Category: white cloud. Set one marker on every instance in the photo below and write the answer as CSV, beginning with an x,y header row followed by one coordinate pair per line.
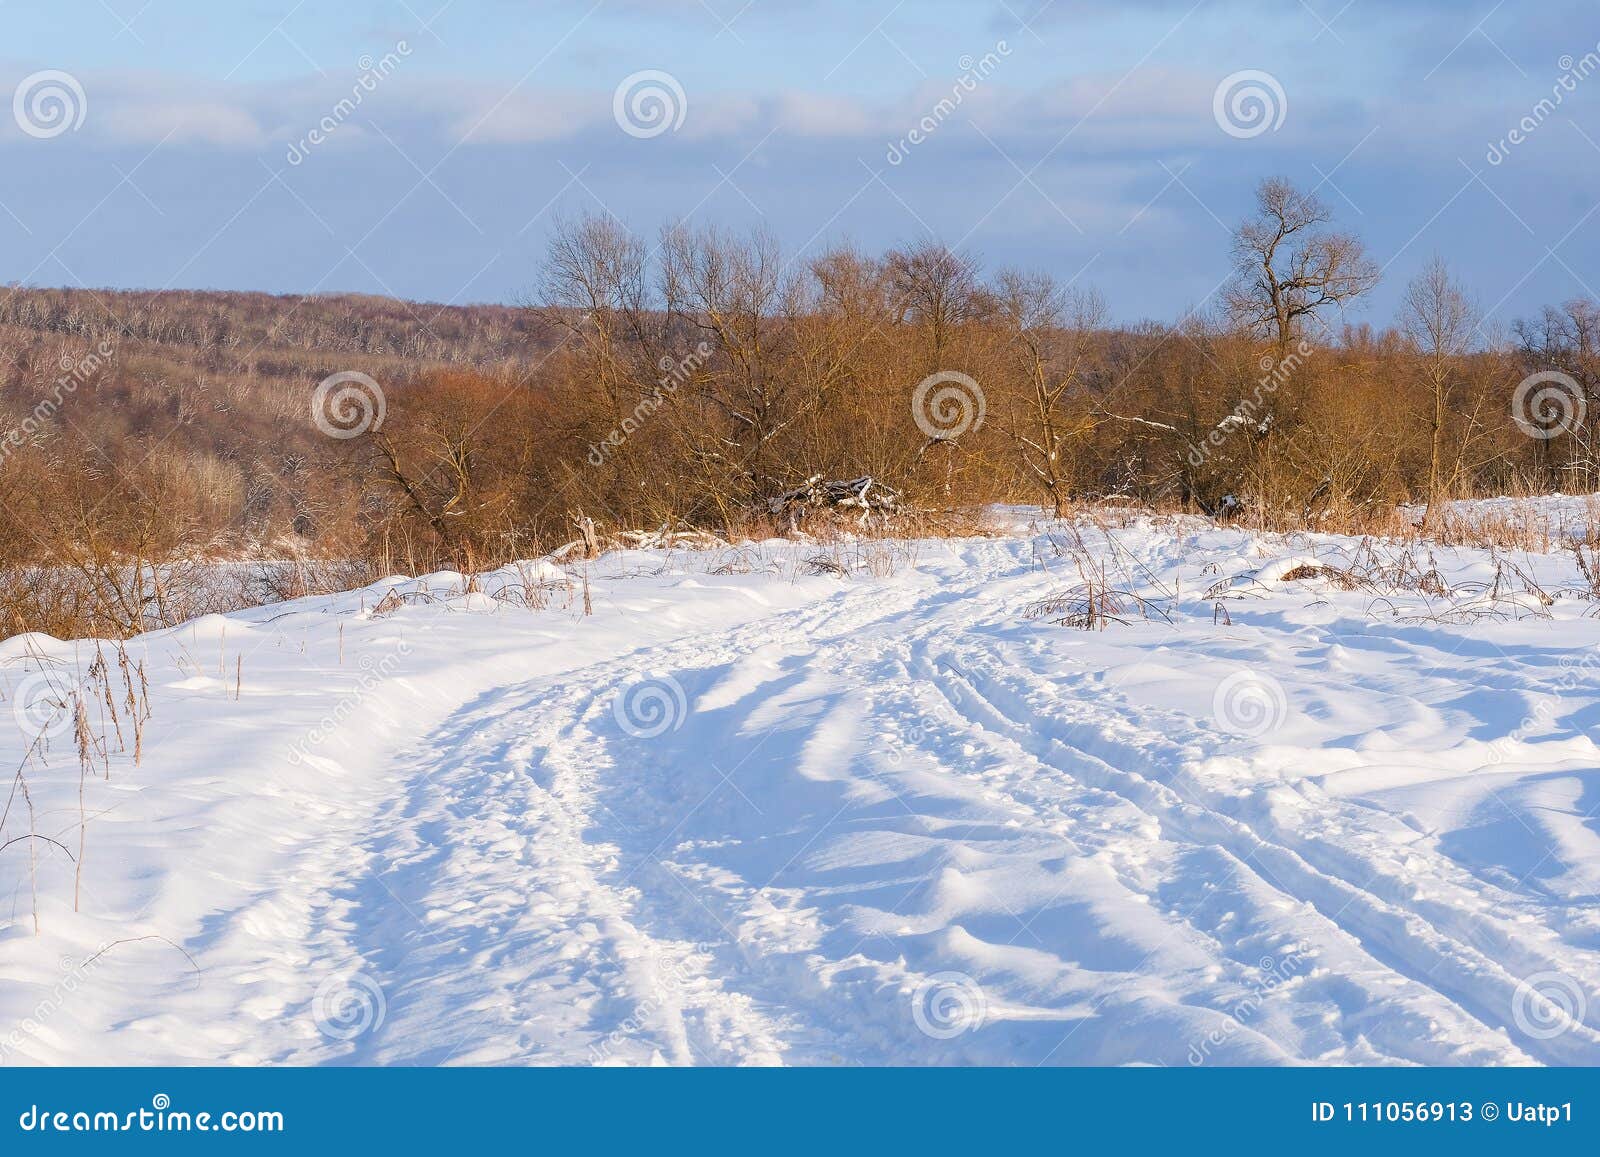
x,y
150,119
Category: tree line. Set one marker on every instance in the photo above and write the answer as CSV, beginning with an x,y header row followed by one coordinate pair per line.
x,y
692,378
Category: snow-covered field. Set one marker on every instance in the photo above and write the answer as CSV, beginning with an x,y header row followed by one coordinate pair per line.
x,y
752,810
1560,517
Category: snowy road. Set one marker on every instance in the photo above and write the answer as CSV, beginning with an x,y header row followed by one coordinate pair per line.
x,y
787,817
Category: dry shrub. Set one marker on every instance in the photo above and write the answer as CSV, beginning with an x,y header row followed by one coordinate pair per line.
x,y
677,385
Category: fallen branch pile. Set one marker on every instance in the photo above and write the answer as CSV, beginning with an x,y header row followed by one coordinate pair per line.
x,y
864,494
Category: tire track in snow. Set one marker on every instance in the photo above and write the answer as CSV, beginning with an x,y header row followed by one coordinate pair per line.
x,y
488,889
796,943
1401,938
844,995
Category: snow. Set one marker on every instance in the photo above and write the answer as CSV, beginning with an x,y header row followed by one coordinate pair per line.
x,y
1562,516
750,811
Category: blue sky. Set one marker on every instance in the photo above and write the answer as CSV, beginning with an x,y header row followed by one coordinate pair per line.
x,y
1086,140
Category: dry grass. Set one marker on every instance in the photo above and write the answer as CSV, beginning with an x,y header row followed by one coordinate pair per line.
x,y
876,558
1109,583
109,597
1396,575
103,712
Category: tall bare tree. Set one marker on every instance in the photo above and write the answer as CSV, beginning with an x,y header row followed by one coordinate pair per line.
x,y
937,288
1289,268
1439,317
741,299
1052,335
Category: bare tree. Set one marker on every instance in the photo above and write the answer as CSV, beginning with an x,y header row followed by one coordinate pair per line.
x,y
1439,317
462,461
1568,339
741,301
595,286
1052,337
936,288
1289,268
